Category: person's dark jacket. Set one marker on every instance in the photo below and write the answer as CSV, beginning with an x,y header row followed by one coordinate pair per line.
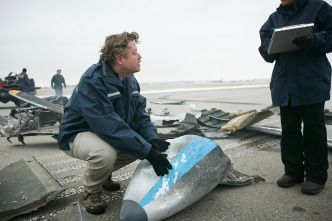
x,y
57,81
101,104
23,82
304,76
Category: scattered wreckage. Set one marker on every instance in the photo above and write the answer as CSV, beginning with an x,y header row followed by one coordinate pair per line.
x,y
25,185
36,117
192,132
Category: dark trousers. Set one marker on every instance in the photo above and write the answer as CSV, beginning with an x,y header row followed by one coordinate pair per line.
x,y
304,153
58,91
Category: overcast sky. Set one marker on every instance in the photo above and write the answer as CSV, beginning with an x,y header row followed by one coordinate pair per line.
x,y
180,39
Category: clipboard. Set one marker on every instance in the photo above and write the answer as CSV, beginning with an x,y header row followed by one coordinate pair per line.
x,y
282,38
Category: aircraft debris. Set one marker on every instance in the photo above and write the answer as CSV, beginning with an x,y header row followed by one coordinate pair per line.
x,y
168,102
25,185
187,126
35,119
215,118
238,122
199,165
236,178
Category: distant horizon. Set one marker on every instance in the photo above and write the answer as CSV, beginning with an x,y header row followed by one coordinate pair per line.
x,y
258,80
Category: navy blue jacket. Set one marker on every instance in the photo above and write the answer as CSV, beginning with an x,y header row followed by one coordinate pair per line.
x,y
101,104
304,76
23,82
57,81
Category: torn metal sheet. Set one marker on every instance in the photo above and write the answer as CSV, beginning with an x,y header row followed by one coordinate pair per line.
x,y
276,131
43,103
188,126
170,123
74,212
168,102
236,178
33,120
215,118
165,121
25,186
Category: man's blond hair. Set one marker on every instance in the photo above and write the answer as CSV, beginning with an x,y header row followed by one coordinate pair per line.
x,y
117,45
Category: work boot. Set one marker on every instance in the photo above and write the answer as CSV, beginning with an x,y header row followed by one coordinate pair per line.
x,y
312,188
93,202
110,185
287,181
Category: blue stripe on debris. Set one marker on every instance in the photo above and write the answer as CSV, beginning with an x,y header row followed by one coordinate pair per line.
x,y
188,157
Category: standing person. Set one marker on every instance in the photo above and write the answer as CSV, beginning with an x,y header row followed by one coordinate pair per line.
x,y
105,122
23,81
56,83
300,85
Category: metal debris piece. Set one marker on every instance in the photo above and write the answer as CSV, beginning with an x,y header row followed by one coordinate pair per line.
x,y
168,102
166,121
258,179
215,118
238,122
47,103
276,131
213,133
166,112
236,178
260,116
199,165
188,126
25,186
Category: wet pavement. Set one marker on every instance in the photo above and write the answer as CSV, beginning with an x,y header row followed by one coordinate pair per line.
x,y
251,153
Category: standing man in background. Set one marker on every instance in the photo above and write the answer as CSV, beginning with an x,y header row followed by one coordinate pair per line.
x,y
300,85
56,83
23,81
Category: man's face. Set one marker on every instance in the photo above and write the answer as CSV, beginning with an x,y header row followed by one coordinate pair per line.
x,y
58,72
286,2
131,63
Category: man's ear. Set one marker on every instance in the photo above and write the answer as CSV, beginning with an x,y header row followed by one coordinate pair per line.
x,y
118,59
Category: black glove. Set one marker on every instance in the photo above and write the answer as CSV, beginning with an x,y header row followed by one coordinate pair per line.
x,y
303,42
159,162
159,144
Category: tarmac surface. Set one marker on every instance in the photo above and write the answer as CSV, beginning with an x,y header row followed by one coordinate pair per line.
x,y
251,153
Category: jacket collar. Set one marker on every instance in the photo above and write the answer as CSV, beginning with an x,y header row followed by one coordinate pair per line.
x,y
293,8
110,75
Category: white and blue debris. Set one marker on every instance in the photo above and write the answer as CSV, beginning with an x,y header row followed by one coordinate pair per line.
x,y
199,165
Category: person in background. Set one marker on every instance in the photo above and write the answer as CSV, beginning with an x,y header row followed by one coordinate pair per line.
x,y
56,83
300,85
105,122
23,81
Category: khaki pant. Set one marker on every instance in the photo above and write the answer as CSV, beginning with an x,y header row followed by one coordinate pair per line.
x,y
102,159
